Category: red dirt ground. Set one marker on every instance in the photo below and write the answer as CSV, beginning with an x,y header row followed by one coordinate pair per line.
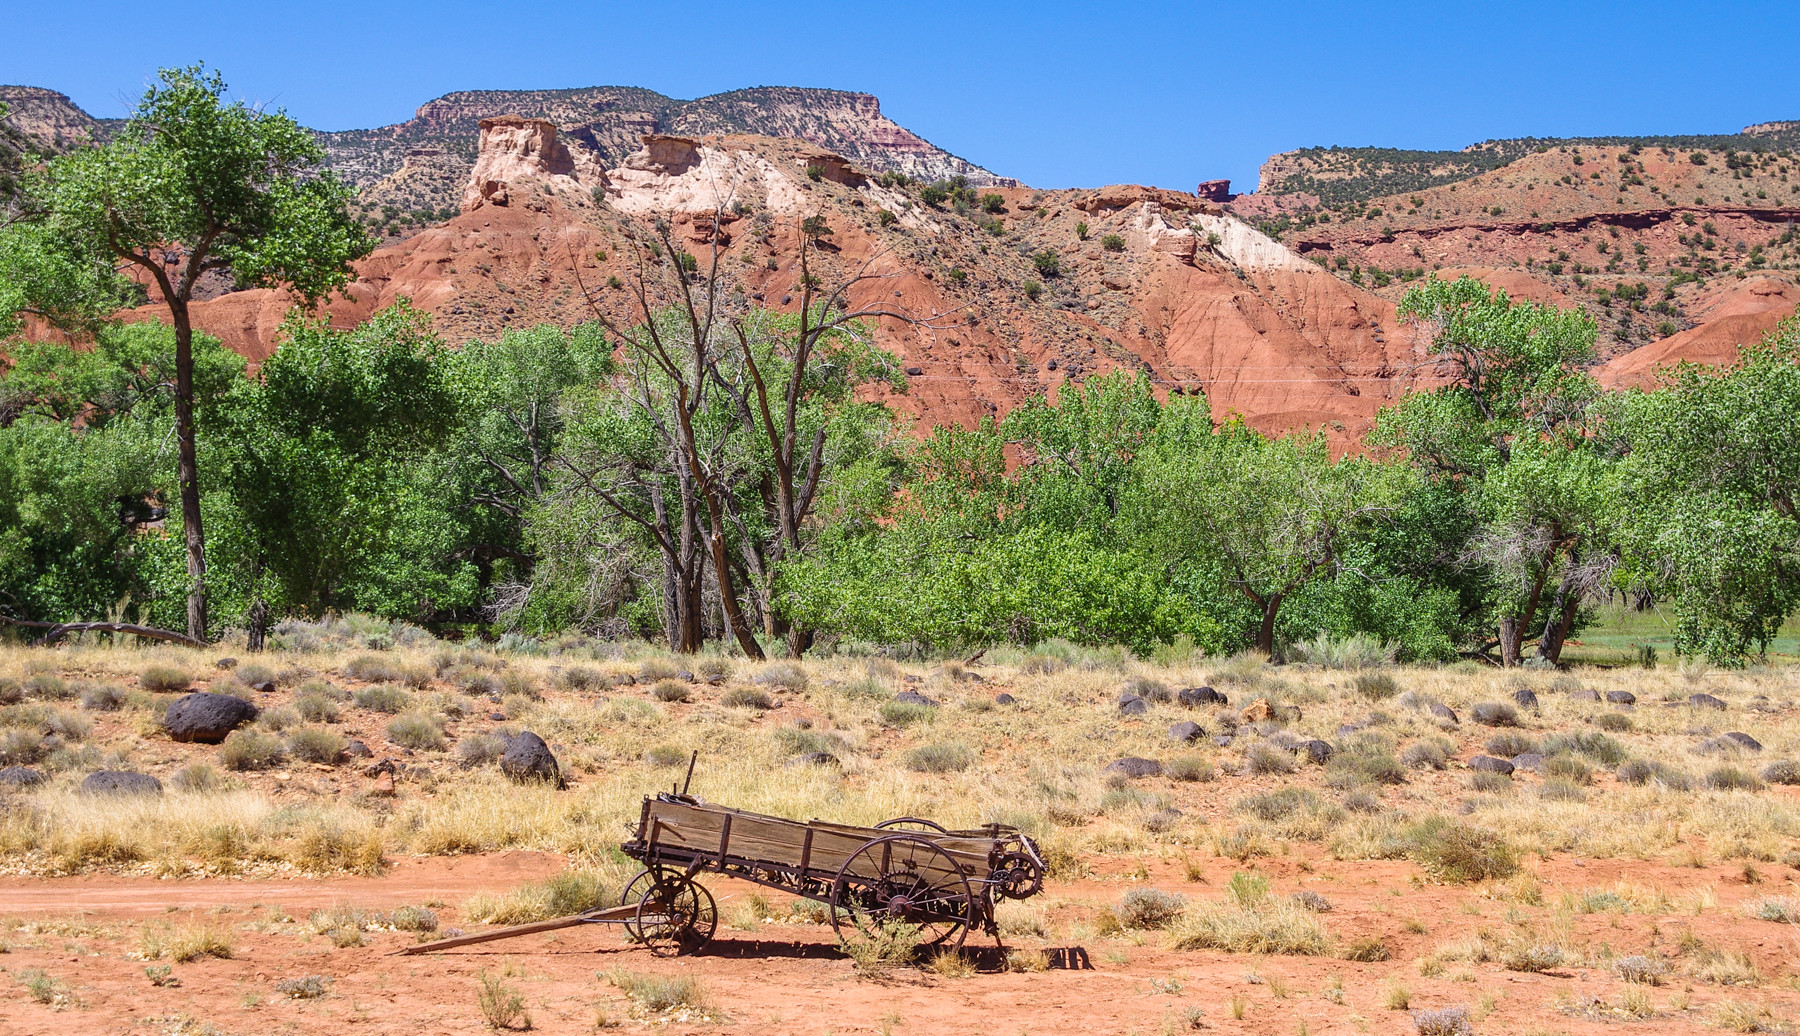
x,y
789,978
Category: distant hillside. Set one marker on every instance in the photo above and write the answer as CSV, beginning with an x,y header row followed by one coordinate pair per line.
x,y
36,122
1349,175
412,173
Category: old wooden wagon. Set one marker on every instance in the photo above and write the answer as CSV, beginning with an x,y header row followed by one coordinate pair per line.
x,y
907,870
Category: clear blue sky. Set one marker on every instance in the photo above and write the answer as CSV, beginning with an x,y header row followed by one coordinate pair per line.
x,y
1056,94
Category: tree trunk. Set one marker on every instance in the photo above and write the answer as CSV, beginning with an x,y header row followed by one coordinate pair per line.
x,y
259,624
728,594
1265,631
188,469
1559,617
798,641
1509,641
693,612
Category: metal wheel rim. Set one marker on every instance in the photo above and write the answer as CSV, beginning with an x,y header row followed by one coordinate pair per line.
x,y
944,929
911,824
674,917
642,880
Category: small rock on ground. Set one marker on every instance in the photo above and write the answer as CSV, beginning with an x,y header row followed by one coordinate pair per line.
x,y
205,717
121,782
815,759
527,758
1194,697
1187,732
20,777
1132,766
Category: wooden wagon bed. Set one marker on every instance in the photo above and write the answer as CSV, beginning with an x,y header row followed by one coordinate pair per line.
x,y
903,871
679,835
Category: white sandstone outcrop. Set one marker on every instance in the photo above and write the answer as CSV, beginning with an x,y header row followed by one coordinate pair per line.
x,y
678,174
1248,248
1151,231
517,150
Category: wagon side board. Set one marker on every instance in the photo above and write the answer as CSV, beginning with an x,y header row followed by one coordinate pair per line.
x,y
714,836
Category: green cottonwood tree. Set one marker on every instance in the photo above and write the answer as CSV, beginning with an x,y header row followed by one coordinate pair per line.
x,y
1713,495
314,460
1266,516
1517,390
191,186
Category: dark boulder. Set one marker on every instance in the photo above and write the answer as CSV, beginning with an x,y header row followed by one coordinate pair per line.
x,y
527,758
1133,705
1585,694
206,718
1223,740
1742,740
1442,713
685,676
1489,764
1132,766
1525,697
1621,698
20,777
1195,697
912,697
121,782
1187,732
356,749
1706,701
1004,698
1317,752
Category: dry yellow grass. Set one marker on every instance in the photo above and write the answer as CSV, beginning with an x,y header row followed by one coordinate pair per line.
x,y
1038,764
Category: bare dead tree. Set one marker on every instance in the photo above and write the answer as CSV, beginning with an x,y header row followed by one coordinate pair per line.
x,y
799,466
683,335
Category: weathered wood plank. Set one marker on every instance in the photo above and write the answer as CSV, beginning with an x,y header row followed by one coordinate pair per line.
x,y
613,914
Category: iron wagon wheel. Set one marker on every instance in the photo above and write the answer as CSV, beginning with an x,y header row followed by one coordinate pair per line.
x,y
905,878
1019,876
675,915
634,889
911,824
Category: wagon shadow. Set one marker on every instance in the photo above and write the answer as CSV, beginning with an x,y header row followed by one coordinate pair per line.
x,y
1056,958
738,949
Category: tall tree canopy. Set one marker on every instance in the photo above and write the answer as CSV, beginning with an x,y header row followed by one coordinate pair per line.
x,y
192,186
